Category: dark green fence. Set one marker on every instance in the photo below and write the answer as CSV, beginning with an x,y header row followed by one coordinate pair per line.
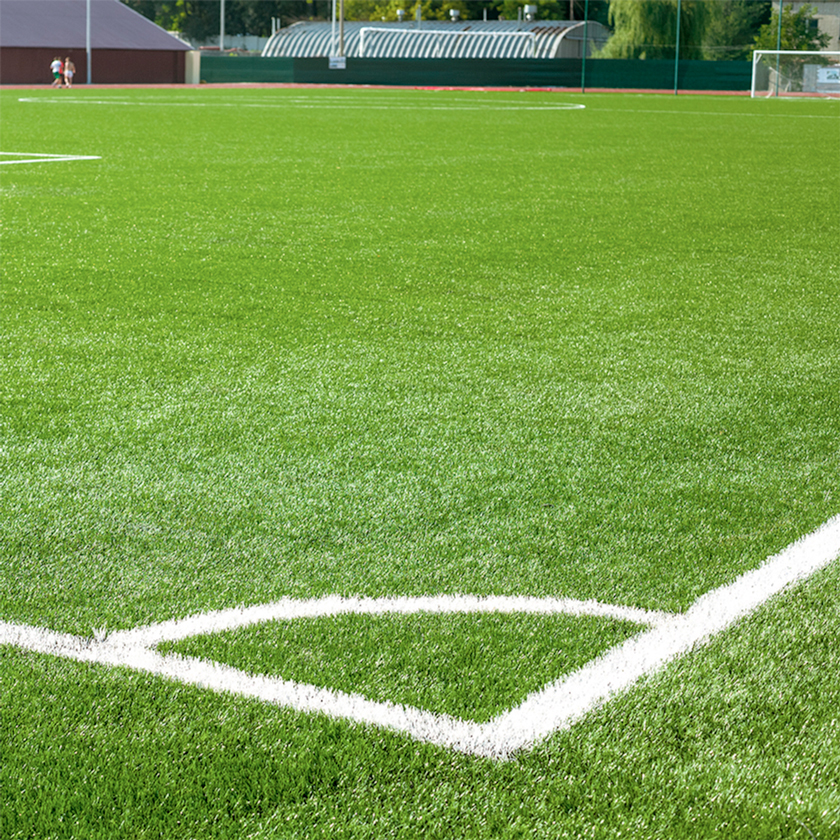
x,y
653,74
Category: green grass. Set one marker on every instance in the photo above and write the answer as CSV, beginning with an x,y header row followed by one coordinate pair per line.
x,y
288,344
469,666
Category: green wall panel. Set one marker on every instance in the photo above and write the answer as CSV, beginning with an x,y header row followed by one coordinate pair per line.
x,y
481,72
216,69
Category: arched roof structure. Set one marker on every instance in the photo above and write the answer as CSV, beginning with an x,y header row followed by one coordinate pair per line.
x,y
439,39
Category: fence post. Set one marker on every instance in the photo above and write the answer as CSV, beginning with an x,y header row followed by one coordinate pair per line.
x,y
677,54
585,45
778,46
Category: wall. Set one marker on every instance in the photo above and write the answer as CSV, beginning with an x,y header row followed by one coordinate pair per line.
x,y
31,65
486,72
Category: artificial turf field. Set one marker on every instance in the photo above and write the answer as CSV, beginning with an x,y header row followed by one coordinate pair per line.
x,y
279,343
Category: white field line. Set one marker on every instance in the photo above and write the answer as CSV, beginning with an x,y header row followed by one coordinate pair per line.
x,y
381,104
36,157
315,104
555,707
331,605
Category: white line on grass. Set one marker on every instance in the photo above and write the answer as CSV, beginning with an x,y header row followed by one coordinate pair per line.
x,y
369,104
37,157
681,112
315,104
331,605
555,707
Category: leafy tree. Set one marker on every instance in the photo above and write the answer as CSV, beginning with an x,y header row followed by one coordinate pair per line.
x,y
731,28
648,29
799,31
198,20
387,9
474,9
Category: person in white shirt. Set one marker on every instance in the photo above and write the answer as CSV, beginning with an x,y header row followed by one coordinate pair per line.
x,y
56,68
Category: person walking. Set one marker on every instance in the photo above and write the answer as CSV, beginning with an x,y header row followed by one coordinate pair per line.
x,y
69,70
57,69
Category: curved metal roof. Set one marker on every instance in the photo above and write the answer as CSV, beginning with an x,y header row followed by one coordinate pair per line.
x,y
438,39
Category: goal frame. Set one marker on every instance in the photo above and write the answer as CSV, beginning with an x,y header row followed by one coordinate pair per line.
x,y
759,54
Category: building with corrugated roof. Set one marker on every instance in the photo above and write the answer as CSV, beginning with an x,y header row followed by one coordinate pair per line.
x,y
126,47
440,39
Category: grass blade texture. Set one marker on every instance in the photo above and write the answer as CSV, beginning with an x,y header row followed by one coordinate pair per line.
x,y
289,343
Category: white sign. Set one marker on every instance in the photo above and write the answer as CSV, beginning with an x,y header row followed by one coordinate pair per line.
x,y
828,75
338,62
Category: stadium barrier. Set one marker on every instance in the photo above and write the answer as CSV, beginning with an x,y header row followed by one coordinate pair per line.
x,y
652,74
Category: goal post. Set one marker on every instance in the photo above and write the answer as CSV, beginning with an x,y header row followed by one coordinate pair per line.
x,y
795,73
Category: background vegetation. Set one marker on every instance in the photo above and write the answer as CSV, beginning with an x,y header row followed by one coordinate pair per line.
x,y
199,19
709,29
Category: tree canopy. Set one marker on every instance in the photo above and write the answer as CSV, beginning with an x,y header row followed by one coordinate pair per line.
x,y
648,28
710,29
799,31
731,28
198,20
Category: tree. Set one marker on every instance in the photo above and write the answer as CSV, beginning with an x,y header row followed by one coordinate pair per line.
x,y
374,10
648,29
799,31
198,20
732,27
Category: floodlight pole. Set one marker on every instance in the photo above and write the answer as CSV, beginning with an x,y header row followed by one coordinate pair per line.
x,y
778,46
341,27
585,44
222,28
87,39
677,54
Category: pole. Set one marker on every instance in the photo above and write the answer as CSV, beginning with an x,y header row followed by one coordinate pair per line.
x,y
778,46
222,28
341,27
87,39
585,45
677,58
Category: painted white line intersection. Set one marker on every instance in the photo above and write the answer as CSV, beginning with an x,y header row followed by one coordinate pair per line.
x,y
555,707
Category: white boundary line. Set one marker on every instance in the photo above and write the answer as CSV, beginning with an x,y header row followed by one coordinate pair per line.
x,y
288,608
37,157
333,104
553,708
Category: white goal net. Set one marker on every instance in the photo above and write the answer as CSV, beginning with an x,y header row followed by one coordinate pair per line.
x,y
795,73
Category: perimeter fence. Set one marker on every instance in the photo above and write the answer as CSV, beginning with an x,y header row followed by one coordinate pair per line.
x,y
652,74
614,44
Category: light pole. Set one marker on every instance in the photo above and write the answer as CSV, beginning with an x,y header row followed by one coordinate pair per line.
x,y
585,44
677,58
87,38
778,46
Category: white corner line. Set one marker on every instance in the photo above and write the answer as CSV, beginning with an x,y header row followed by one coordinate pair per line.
x,y
567,700
549,710
287,609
